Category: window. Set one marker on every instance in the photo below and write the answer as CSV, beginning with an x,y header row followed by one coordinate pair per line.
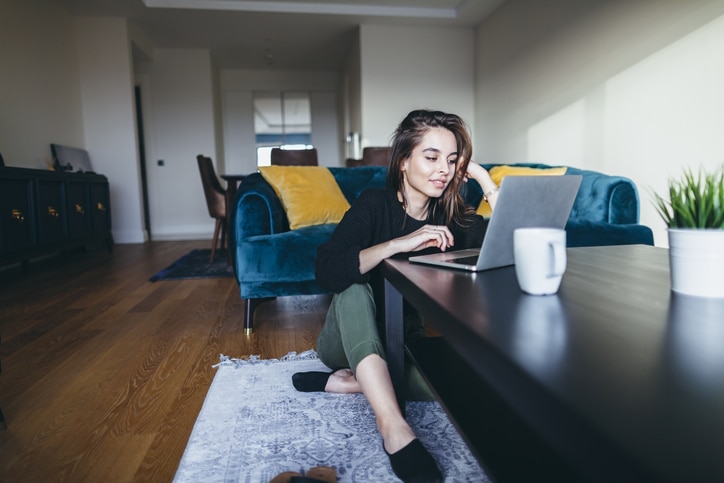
x,y
281,119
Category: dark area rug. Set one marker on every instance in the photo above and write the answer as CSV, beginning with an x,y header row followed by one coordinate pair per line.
x,y
196,264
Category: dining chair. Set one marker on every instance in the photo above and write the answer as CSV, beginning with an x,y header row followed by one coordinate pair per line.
x,y
294,157
215,201
376,156
372,156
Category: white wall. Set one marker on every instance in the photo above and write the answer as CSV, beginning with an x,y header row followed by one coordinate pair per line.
x,y
351,102
218,118
39,83
628,88
181,126
326,134
108,118
239,139
405,68
237,92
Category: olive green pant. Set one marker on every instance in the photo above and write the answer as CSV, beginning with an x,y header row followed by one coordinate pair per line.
x,y
350,334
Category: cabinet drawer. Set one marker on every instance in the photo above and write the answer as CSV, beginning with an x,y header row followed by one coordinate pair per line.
x,y
100,207
16,215
79,213
51,211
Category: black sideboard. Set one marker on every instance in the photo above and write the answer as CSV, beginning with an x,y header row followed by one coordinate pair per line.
x,y
42,212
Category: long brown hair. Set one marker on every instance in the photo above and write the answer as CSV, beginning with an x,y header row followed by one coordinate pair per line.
x,y
450,207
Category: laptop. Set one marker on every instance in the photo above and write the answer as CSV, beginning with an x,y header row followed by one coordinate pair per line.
x,y
523,201
71,159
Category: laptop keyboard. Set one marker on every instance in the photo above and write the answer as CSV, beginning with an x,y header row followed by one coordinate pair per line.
x,y
471,260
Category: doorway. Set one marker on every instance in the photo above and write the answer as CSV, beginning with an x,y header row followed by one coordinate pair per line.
x,y
142,160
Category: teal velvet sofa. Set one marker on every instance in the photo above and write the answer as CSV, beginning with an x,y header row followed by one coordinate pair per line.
x,y
270,260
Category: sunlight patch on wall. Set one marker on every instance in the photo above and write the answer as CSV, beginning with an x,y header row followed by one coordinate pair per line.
x,y
666,113
559,139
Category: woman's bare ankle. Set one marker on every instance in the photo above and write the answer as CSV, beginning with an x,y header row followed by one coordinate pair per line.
x,y
342,381
397,437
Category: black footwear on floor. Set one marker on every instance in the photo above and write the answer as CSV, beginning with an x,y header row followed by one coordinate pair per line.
x,y
310,381
413,464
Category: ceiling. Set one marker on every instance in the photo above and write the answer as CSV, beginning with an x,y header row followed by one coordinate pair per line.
x,y
268,34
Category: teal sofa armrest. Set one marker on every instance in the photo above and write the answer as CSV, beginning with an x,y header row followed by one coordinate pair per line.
x,y
257,209
605,198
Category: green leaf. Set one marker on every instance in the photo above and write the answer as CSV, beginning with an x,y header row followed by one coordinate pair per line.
x,y
694,200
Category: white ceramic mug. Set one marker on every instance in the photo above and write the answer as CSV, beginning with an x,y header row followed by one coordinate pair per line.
x,y
540,259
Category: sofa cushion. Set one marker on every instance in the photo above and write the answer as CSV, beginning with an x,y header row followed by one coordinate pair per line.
x,y
497,173
310,194
280,264
610,199
353,181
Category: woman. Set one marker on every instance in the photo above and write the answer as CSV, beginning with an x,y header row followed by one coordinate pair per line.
x,y
420,209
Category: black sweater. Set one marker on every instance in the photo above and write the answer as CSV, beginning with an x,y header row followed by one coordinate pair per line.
x,y
375,217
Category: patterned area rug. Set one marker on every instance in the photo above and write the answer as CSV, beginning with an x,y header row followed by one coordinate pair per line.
x,y
197,264
255,425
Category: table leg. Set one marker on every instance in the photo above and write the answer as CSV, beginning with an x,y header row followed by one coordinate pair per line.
x,y
2,418
395,342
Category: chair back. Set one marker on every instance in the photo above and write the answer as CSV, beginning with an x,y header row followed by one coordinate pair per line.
x,y
372,156
376,156
214,192
294,157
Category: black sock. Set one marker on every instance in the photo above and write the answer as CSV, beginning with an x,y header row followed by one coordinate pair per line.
x,y
414,464
310,381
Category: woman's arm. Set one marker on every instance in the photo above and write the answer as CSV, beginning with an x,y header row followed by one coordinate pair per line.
x,y
337,261
481,175
428,236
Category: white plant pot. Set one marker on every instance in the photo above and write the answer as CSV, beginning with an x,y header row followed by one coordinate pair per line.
x,y
696,261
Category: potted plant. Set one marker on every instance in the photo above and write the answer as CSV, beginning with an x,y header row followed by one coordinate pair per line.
x,y
694,214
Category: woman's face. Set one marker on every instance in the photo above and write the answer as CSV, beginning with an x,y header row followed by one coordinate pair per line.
x,y
431,166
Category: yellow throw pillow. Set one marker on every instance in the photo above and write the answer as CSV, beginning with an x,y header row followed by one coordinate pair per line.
x,y
310,194
497,173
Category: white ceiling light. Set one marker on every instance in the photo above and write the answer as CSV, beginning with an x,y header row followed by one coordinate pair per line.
x,y
306,7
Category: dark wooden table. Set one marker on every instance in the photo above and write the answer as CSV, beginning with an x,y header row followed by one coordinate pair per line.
x,y
232,183
2,418
615,378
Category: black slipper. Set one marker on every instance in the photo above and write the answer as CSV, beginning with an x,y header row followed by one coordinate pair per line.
x,y
310,381
414,464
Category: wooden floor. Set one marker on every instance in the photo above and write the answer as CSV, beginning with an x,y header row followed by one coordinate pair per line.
x,y
104,373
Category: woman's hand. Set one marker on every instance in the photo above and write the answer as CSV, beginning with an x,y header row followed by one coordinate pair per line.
x,y
427,236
